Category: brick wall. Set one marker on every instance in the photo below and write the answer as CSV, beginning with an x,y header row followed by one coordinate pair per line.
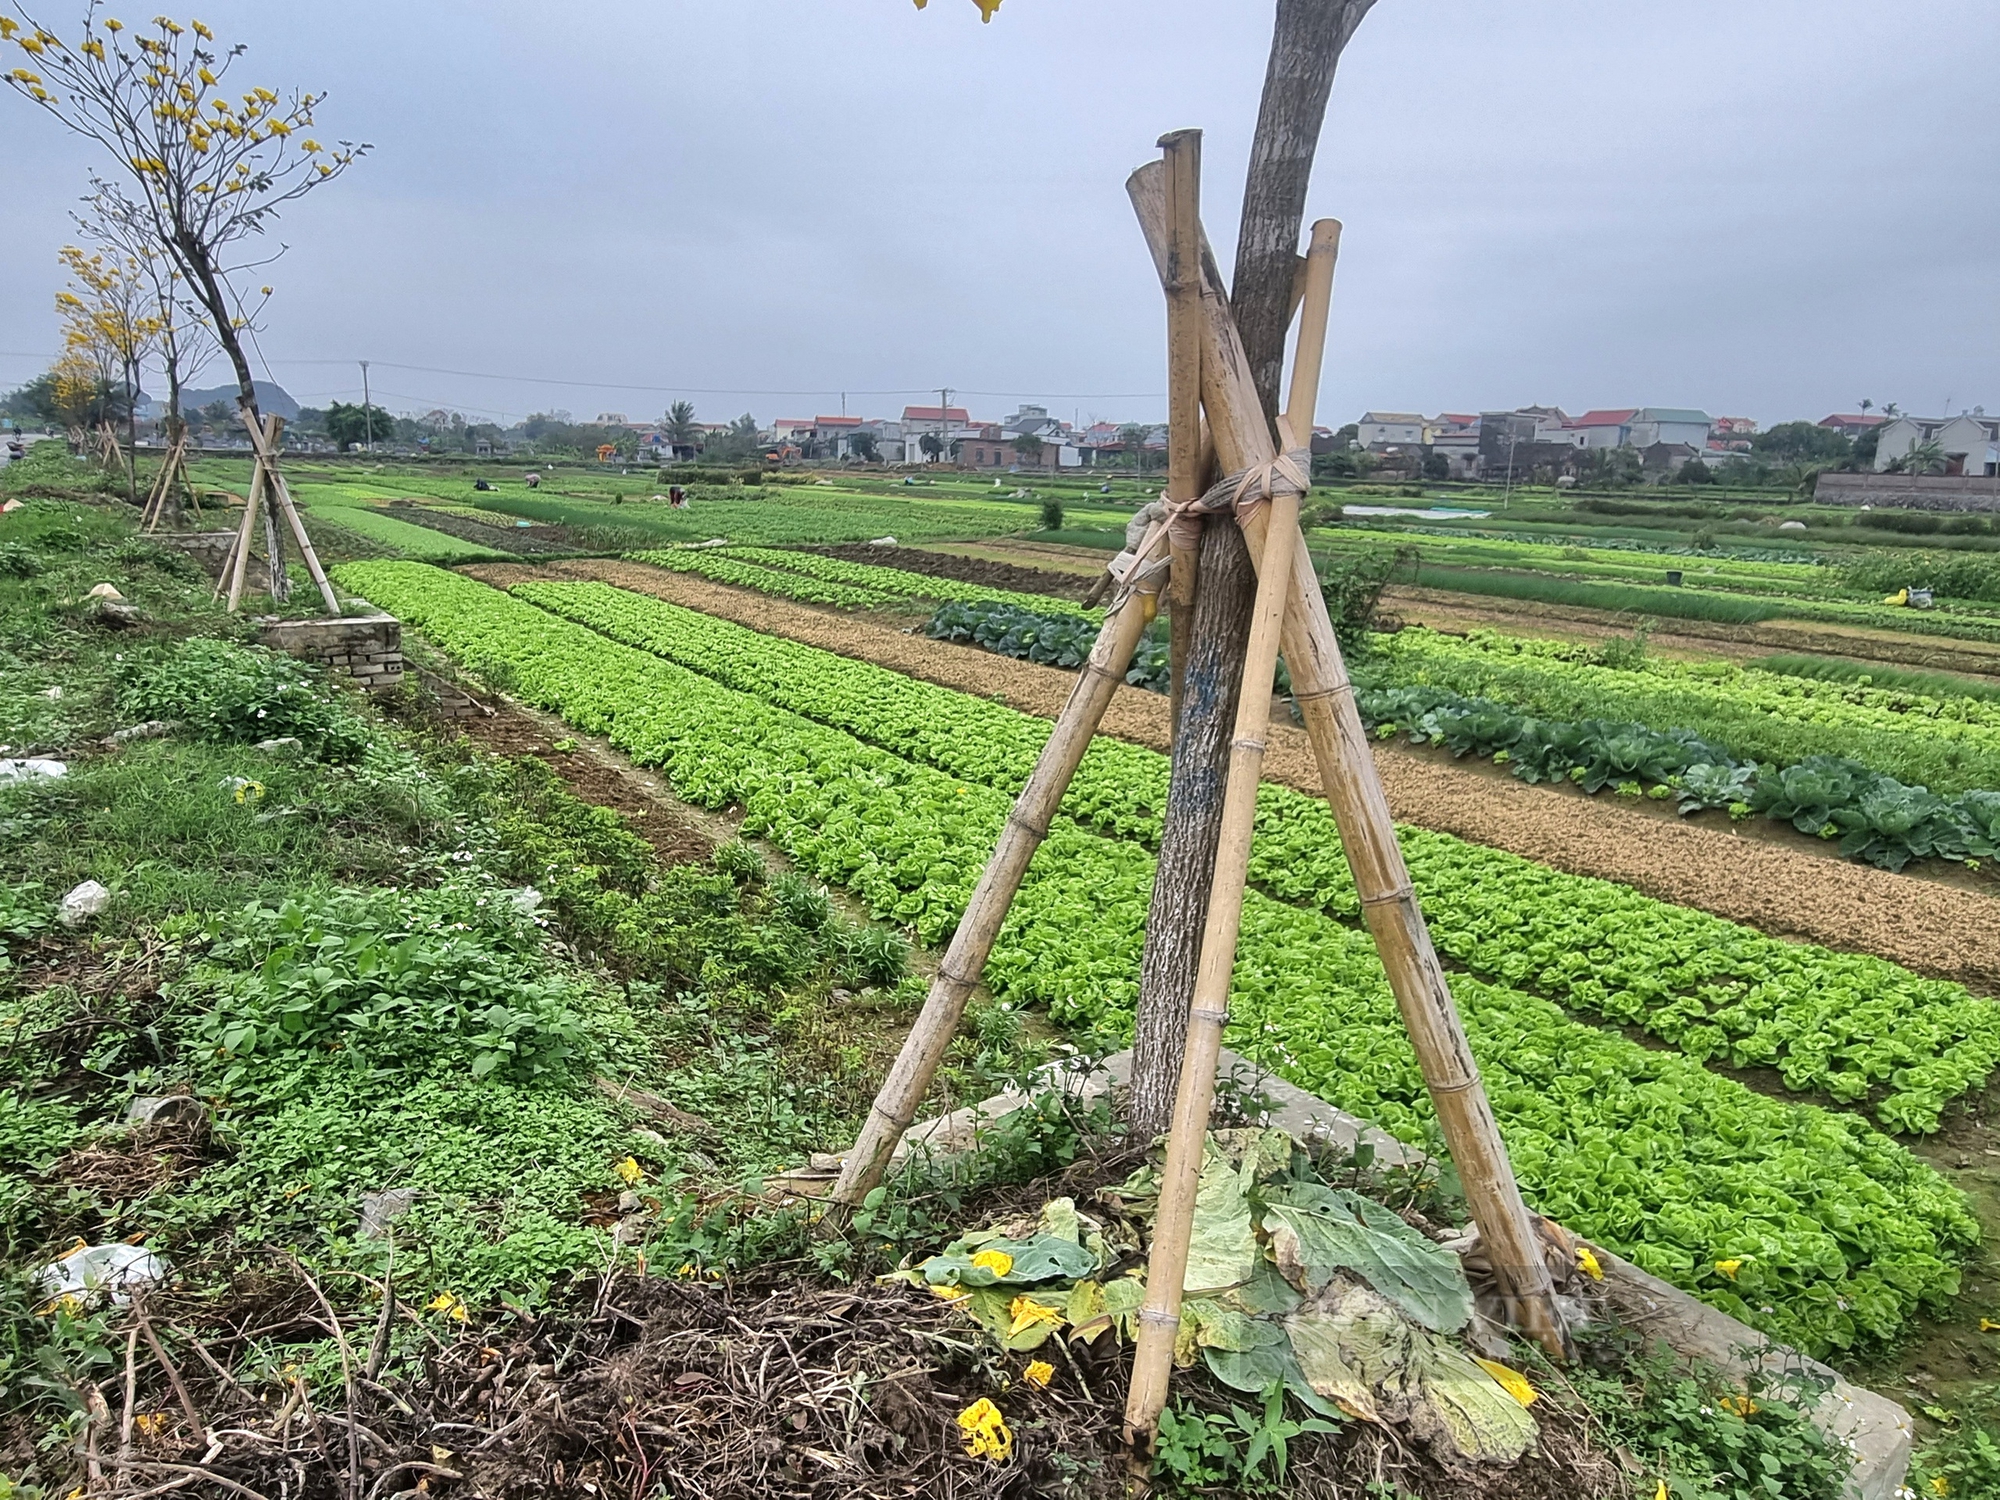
x,y
367,648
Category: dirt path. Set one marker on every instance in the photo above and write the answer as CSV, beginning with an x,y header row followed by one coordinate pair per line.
x,y
1791,891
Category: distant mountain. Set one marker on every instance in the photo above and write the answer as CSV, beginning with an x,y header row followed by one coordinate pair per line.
x,y
272,398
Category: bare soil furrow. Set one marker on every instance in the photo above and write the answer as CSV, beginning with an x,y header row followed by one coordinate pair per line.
x,y
1757,877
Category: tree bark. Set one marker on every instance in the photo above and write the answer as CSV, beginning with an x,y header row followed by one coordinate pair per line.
x,y
1305,45
1225,590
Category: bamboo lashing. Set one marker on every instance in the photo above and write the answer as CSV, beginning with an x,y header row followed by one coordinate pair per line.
x,y
1353,790
916,1065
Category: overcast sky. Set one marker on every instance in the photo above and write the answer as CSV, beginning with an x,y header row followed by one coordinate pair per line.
x,y
1770,208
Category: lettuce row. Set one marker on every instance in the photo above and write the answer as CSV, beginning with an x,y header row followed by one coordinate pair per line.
x,y
1844,1024
1841,1234
720,567
899,581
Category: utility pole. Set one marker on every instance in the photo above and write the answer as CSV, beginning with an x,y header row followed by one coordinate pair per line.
x,y
1507,492
367,413
944,422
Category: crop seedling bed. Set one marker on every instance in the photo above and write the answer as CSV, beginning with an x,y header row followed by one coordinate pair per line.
x,y
1643,1150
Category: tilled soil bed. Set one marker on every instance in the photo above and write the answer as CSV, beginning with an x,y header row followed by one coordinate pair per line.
x,y
1776,887
999,575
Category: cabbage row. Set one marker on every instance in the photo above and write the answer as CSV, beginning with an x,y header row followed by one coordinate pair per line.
x,y
1849,1025
902,581
1840,1234
1946,744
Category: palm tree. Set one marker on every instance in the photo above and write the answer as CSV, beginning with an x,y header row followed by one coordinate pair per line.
x,y
680,426
1866,406
1926,457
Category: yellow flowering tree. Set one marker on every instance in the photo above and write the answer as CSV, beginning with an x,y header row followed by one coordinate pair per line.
x,y
986,7
107,315
182,339
206,164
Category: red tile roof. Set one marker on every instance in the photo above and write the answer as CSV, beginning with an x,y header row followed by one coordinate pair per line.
x,y
1610,417
932,414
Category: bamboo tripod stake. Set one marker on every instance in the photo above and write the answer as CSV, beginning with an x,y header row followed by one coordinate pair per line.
x,y
1361,810
910,1077
1186,468
270,496
1166,1268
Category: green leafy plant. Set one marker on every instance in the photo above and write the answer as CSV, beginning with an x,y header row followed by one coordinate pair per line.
x,y
226,692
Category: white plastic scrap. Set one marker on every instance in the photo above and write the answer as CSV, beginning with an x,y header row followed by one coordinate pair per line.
x,y
81,904
33,766
527,900
91,1272
104,591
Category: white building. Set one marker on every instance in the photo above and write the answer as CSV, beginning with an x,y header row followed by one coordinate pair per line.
x,y
1386,429
1669,424
1970,444
1608,427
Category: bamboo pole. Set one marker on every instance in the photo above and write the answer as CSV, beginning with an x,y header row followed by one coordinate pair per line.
x,y
1166,1266
1182,149
909,1078
265,444
1367,831
239,557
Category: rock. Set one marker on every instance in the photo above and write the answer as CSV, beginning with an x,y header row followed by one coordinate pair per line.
x,y
380,1210
152,729
30,768
842,995
628,1202
104,591
1791,526
119,616
81,904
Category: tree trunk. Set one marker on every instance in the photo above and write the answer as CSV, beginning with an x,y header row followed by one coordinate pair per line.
x,y
1225,589
1305,44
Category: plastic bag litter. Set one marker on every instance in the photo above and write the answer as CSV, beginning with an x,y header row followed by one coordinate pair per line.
x,y
90,1273
31,767
81,904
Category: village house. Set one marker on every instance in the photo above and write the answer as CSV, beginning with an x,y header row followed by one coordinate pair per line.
x,y
1969,443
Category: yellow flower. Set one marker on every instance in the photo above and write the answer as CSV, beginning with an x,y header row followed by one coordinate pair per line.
x,y
1588,1263
1040,1373
450,1306
986,1434
151,1423
986,9
1743,1406
629,1171
999,1262
31,45
205,76
1729,1268
1512,1381
95,48
309,145
8,26
1661,1492
951,1293
1987,1325
199,30
1027,1312
1940,1485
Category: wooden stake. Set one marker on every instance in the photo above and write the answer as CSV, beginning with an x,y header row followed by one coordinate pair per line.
x,y
240,555
278,498
1367,832
1166,1265
909,1079
1182,150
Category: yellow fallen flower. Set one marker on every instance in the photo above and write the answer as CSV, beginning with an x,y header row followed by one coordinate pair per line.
x,y
950,1293
1743,1406
450,1306
1039,1373
999,1262
1987,1325
986,1433
629,1171
1729,1268
1587,1263
1512,1381
1026,1313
